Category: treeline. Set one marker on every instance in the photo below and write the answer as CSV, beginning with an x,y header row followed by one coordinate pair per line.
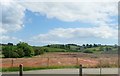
x,y
67,46
91,45
20,50
85,48
23,49
73,46
61,46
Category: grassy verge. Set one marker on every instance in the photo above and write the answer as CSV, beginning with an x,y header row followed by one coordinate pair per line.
x,y
100,75
13,69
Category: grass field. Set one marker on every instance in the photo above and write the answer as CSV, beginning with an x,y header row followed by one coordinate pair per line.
x,y
61,60
12,69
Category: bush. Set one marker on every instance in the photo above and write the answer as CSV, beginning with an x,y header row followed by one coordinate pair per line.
x,y
14,55
21,50
37,51
27,49
88,51
44,50
10,52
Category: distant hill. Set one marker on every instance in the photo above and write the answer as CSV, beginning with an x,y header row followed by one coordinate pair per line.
x,y
85,48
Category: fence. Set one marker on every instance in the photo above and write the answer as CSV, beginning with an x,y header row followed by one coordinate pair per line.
x,y
55,61
21,70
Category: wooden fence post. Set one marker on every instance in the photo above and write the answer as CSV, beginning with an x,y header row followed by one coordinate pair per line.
x,y
48,61
12,63
77,61
21,70
100,67
80,70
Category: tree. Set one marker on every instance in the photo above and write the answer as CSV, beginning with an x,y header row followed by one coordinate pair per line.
x,y
87,45
101,49
14,54
90,46
67,46
94,45
27,49
20,52
22,49
115,46
10,44
10,52
87,51
44,50
48,45
6,51
83,45
39,51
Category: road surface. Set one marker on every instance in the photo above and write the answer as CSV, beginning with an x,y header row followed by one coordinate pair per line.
x,y
70,71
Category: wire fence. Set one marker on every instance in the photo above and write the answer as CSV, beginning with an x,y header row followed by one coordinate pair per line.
x,y
57,61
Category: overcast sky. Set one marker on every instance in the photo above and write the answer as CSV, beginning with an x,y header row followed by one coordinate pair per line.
x,y
40,23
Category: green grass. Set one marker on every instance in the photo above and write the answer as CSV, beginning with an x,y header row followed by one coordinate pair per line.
x,y
100,75
55,49
50,49
12,69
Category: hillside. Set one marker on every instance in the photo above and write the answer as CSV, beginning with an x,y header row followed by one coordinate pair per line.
x,y
25,50
88,48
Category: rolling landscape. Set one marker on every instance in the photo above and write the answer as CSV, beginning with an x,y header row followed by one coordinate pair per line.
x,y
59,56
64,57
76,38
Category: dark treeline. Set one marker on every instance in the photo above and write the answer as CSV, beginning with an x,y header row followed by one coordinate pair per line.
x,y
67,46
86,48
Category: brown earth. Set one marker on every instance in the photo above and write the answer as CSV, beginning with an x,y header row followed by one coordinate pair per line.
x,y
63,59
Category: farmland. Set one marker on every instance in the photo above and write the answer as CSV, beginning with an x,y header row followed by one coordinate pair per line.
x,y
63,59
63,56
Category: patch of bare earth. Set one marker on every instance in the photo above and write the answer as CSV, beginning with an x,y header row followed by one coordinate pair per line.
x,y
63,59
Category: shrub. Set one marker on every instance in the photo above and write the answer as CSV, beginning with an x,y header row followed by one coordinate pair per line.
x,y
20,52
22,49
13,55
27,49
10,52
37,51
88,51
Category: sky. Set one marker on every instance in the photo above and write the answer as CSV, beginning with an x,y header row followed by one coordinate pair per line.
x,y
42,23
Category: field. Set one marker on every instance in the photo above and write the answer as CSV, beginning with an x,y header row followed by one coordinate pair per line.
x,y
56,59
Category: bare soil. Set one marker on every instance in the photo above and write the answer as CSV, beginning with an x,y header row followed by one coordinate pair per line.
x,y
64,59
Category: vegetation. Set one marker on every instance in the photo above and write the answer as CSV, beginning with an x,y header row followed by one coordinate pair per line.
x,y
35,68
23,49
17,51
88,51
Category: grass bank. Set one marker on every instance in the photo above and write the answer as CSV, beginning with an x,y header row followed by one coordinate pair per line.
x,y
13,69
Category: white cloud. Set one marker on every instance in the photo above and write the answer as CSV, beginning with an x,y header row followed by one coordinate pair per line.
x,y
12,15
61,34
69,0
98,13
11,20
6,39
